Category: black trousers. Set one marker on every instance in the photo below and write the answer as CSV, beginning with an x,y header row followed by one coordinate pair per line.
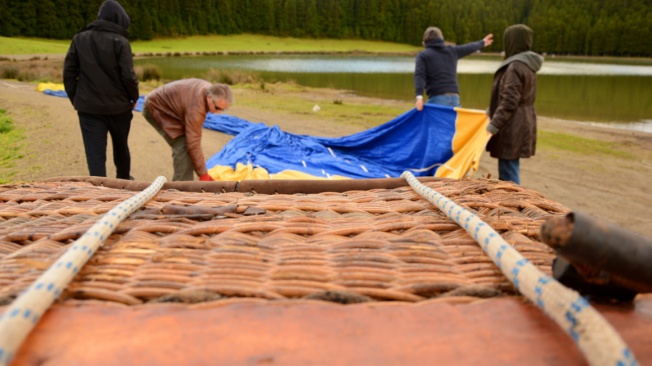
x,y
95,128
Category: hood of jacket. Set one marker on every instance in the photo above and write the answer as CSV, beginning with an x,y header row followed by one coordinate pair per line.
x,y
435,43
532,59
517,41
105,26
112,11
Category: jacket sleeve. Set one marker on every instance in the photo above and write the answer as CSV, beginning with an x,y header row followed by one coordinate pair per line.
x,y
419,75
71,72
510,92
469,48
127,74
194,123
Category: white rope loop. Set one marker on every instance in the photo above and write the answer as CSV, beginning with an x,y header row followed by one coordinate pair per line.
x,y
596,338
21,316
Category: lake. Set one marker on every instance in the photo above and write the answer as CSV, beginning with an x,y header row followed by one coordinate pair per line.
x,y
614,94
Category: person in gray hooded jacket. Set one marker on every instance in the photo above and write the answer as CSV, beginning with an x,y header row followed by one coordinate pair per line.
x,y
513,123
100,81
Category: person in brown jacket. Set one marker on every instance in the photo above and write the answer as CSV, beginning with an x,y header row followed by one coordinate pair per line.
x,y
177,111
513,123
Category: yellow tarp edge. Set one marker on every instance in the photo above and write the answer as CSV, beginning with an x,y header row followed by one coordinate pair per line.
x,y
469,141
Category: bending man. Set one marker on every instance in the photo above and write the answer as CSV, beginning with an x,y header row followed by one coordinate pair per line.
x,y
177,111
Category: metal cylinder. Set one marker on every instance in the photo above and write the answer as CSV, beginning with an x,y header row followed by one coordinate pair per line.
x,y
600,245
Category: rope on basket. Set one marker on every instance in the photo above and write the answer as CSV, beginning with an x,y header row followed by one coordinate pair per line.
x,y
596,338
20,317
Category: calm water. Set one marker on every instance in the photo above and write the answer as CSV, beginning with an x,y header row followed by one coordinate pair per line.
x,y
594,92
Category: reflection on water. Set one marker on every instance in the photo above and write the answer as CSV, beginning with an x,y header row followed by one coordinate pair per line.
x,y
574,68
643,126
595,98
365,64
598,92
378,64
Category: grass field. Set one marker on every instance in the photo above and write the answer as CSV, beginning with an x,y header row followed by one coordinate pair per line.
x,y
232,43
260,43
580,145
10,147
32,46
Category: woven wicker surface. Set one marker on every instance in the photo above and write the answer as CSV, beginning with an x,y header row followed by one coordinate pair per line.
x,y
355,246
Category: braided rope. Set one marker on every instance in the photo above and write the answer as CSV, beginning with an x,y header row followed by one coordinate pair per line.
x,y
596,338
21,316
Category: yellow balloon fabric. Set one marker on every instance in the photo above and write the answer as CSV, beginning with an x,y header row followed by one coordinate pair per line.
x,y
470,139
49,86
248,172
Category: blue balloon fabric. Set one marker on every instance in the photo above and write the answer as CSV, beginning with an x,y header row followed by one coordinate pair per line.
x,y
416,141
56,93
63,94
419,142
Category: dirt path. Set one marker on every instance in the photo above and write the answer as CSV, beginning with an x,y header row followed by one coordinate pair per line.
x,y
604,186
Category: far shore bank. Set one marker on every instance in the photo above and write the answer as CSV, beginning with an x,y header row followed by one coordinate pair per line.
x,y
25,48
495,55
60,56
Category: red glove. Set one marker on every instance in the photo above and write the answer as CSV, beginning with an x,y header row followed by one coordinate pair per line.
x,y
206,178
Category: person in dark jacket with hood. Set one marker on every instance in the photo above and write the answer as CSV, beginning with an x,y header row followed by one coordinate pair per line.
x,y
99,78
513,123
435,69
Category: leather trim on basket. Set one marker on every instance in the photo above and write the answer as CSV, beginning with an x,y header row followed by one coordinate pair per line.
x,y
254,186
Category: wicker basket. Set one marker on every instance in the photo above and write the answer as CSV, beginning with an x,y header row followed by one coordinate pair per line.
x,y
347,247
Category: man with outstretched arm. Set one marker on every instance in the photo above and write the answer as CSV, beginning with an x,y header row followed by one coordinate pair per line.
x,y
435,69
177,111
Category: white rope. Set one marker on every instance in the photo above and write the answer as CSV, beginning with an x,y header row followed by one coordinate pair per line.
x,y
22,315
596,338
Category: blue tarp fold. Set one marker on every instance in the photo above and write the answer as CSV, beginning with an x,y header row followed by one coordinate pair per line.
x,y
415,141
420,142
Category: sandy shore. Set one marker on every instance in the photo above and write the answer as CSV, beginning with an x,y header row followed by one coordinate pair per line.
x,y
604,186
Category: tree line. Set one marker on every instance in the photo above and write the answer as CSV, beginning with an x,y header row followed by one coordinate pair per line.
x,y
577,27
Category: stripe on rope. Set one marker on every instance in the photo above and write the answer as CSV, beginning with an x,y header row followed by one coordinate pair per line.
x,y
596,338
21,316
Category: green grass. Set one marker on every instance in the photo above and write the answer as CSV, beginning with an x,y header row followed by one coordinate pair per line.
x,y
10,147
32,46
6,124
580,145
261,43
289,98
232,43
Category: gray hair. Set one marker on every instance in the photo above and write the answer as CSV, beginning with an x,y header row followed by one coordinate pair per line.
x,y
221,91
430,34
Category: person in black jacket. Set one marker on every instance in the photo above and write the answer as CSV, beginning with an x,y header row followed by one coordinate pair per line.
x,y
99,78
435,69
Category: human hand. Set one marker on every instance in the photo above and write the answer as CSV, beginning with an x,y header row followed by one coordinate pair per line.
x,y
135,105
488,39
419,104
206,178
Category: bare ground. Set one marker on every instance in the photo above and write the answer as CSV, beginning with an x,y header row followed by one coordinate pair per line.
x,y
614,189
